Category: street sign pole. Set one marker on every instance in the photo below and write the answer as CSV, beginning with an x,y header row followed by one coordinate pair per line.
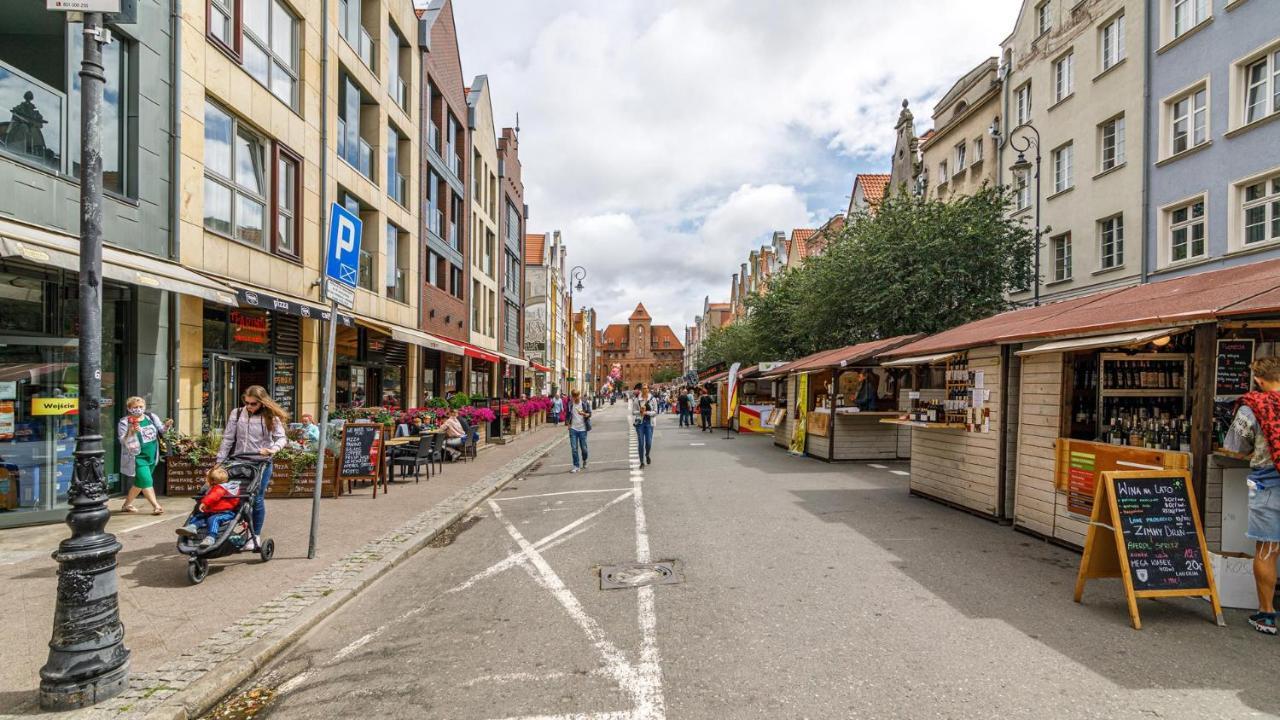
x,y
341,269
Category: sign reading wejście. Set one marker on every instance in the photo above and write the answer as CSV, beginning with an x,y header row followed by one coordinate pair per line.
x,y
102,6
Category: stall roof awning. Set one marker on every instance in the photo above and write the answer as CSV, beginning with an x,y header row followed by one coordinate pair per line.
x,y
1252,289
841,357
919,360
45,247
539,367
1097,341
468,349
413,337
512,360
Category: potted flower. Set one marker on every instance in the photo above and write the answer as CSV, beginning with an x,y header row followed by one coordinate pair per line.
x,y
479,417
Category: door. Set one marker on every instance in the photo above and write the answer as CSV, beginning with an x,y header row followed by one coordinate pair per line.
x,y
224,379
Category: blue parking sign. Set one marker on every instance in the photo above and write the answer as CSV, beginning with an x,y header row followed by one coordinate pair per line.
x,y
344,246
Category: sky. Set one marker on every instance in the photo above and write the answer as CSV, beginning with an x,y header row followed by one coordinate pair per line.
x,y
666,139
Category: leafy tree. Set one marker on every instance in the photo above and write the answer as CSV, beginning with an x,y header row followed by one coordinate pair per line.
x,y
666,375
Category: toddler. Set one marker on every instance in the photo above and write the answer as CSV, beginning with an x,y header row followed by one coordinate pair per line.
x,y
216,507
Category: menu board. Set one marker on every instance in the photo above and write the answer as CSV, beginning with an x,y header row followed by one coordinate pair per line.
x,y
1232,376
1081,462
1161,537
184,479
361,450
284,377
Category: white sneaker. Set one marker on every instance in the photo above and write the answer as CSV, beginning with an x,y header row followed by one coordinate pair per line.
x,y
574,470
189,531
207,541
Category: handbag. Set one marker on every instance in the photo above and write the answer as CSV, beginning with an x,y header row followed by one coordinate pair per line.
x,y
586,418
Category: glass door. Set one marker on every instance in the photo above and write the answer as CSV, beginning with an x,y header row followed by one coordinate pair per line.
x,y
223,379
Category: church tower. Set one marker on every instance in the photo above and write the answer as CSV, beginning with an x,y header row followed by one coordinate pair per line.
x,y
641,329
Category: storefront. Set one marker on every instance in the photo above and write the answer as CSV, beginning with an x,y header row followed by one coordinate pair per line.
x,y
370,368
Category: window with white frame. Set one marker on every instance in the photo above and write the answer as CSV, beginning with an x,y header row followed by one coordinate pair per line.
x,y
1189,121
1186,230
1111,42
943,175
1061,248
1262,210
1022,104
960,156
1022,189
1064,76
1044,20
977,150
236,186
271,53
1187,14
1262,87
1111,143
1063,173
1111,242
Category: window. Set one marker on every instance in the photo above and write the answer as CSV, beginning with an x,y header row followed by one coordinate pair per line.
x,y
365,277
351,28
352,146
1064,76
271,55
1043,19
1062,168
977,150
1187,231
1022,189
1262,87
455,281
1061,247
1022,104
222,16
1111,235
397,183
454,238
235,178
397,263
1187,14
491,325
960,153
1112,143
943,175
287,199
1112,42
476,298
1190,118
1262,211
437,274
397,87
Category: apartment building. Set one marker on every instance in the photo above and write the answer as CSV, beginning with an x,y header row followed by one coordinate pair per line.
x,y
512,216
483,238
1068,76
961,155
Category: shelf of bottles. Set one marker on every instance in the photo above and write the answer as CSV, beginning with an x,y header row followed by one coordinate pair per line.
x,y
1142,400
957,409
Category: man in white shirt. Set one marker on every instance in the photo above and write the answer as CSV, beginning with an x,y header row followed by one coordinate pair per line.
x,y
644,407
579,415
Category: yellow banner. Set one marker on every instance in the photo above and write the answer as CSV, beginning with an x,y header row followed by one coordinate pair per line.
x,y
801,404
54,406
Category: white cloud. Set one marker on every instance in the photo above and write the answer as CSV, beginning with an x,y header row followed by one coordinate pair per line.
x,y
667,137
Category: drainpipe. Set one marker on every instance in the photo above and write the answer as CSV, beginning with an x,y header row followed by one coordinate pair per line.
x,y
175,198
1146,148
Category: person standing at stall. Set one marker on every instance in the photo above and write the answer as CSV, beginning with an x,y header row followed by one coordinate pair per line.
x,y
704,410
255,429
139,434
643,408
1255,434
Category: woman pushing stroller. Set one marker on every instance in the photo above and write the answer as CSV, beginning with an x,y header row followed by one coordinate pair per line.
x,y
256,430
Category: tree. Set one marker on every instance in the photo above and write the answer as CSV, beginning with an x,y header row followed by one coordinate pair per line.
x,y
665,375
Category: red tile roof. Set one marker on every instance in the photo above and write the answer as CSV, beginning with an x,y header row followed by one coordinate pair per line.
x,y
873,187
1246,289
640,313
850,354
617,337
664,333
534,246
797,245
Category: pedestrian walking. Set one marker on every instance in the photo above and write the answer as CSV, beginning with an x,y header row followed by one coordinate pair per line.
x,y
557,407
704,410
643,407
579,421
255,429
682,404
139,434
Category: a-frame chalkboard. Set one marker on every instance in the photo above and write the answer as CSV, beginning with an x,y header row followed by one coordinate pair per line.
x,y
360,456
1146,530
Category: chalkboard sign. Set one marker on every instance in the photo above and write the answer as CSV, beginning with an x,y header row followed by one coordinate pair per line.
x,y
284,377
1233,375
1145,529
361,451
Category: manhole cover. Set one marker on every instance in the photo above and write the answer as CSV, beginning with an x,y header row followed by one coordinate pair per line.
x,y
632,575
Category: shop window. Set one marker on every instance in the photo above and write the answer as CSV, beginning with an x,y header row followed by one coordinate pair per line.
x,y
1060,246
40,94
1186,230
1111,42
1111,236
1261,210
1111,143
250,330
215,329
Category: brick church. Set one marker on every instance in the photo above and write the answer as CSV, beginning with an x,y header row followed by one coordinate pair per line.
x,y
641,348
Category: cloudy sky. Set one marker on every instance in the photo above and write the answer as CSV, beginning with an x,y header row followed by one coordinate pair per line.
x,y
667,138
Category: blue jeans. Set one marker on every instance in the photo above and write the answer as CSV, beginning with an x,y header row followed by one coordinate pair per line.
x,y
578,439
212,521
259,500
644,434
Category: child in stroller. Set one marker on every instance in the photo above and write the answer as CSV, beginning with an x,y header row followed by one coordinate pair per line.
x,y
214,509
224,513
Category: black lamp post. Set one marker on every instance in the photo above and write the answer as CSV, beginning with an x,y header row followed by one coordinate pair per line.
x,y
1022,165
88,661
575,279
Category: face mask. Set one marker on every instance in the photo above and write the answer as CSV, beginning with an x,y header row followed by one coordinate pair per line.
x,y
136,411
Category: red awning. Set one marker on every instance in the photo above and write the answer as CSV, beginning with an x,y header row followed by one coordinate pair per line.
x,y
468,349
539,367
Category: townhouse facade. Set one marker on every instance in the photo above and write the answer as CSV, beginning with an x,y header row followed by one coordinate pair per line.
x,y
483,237
513,213
961,154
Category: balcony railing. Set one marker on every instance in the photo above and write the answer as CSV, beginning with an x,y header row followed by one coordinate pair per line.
x,y
364,160
451,160
365,48
397,187
433,137
396,290
400,93
365,278
435,220
452,237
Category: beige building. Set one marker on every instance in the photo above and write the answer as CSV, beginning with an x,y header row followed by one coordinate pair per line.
x,y
484,233
264,153
1069,74
960,154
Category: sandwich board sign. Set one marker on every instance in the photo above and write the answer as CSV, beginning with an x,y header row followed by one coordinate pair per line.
x,y
1145,530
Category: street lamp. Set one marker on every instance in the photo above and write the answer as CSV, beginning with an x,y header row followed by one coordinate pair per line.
x,y
1022,165
88,661
575,280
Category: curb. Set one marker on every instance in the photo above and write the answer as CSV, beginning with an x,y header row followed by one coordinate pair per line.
x,y
200,678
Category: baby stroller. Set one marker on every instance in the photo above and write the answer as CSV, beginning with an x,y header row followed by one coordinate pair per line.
x,y
234,534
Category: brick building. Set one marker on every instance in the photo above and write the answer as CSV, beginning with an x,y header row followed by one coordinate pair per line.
x,y
641,348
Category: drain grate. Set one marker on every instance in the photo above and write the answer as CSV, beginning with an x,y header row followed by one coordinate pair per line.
x,y
633,575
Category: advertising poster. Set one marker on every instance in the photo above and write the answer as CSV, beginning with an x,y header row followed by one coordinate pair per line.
x,y
801,401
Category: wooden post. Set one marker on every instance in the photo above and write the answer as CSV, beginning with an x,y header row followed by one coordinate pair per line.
x,y
831,431
1204,359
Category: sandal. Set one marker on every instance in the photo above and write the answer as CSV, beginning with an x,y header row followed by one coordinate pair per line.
x,y
158,511
127,508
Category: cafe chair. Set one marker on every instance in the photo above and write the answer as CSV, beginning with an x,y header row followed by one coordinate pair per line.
x,y
415,460
436,453
470,438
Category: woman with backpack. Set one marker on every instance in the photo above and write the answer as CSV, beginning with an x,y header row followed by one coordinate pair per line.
x,y
255,429
579,421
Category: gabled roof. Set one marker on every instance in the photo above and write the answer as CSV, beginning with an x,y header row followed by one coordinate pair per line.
x,y
640,313
873,186
796,248
616,336
664,333
534,249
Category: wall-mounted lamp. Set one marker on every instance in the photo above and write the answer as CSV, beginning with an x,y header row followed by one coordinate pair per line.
x,y
1161,341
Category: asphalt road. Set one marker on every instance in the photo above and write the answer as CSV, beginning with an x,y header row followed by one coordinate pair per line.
x,y
808,591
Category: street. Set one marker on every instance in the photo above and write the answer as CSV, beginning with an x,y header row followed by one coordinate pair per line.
x,y
809,590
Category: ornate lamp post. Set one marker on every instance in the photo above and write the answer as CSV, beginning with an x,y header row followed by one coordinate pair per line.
x,y
1021,165
88,661
575,280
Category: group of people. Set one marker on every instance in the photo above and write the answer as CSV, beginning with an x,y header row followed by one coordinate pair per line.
x,y
687,400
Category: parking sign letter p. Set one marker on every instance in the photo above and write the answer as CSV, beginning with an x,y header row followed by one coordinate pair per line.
x,y
346,235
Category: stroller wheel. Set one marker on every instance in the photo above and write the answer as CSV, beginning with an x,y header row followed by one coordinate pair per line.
x,y
268,550
197,570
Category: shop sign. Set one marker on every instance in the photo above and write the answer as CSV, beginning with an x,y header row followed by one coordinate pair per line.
x,y
1233,376
252,298
249,328
6,419
103,6
339,293
9,390
54,406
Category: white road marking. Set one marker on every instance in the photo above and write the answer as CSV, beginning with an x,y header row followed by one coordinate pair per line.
x,y
878,467
697,444
524,677
614,715
297,680
565,492
650,701
900,472
517,558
